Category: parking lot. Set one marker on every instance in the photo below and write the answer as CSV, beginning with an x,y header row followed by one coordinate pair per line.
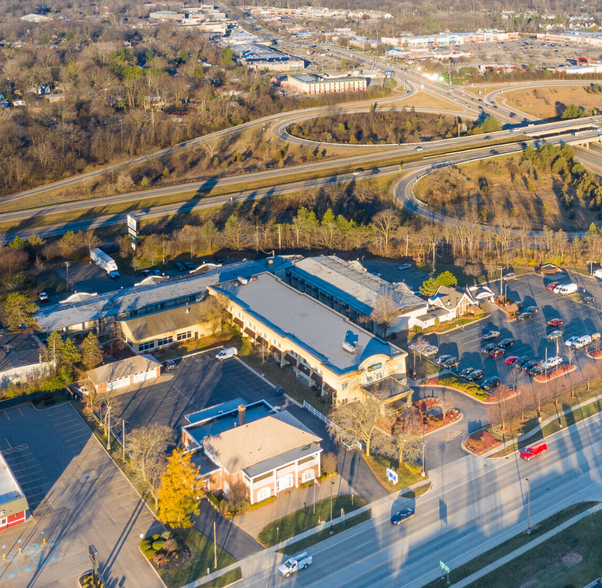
x,y
77,497
530,335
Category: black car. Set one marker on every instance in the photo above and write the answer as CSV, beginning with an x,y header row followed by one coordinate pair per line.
x,y
169,364
489,347
520,362
531,309
523,316
218,258
529,365
506,343
476,375
491,383
375,171
451,362
402,516
279,391
180,267
146,273
466,372
535,371
587,299
189,265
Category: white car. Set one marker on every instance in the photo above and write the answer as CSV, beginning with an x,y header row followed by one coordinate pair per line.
x,y
551,363
358,172
554,335
509,276
405,266
557,289
570,342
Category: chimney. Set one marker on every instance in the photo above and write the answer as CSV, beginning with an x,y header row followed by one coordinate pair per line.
x,y
242,415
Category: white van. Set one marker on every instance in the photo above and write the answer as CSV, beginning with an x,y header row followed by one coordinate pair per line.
x,y
568,289
226,353
598,274
582,342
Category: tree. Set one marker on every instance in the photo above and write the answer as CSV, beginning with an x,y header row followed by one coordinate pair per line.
x,y
385,223
91,352
54,345
447,279
18,311
329,463
406,437
70,356
429,288
147,447
385,312
357,420
180,491
237,233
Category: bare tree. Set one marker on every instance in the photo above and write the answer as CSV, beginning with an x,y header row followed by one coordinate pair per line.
x,y
385,223
385,312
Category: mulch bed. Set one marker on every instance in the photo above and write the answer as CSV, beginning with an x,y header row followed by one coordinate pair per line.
x,y
481,442
597,354
561,370
184,557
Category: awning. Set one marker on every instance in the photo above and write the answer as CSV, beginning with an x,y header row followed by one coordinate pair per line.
x,y
290,359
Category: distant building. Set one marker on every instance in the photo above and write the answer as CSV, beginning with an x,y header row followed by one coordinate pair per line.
x,y
313,84
13,503
593,39
21,359
37,18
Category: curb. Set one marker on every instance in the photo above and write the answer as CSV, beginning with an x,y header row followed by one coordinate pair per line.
x,y
458,390
447,425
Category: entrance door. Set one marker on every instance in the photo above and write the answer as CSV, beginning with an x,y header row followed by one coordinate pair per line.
x,y
285,482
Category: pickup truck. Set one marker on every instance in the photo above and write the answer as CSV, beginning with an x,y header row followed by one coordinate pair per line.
x,y
530,452
294,564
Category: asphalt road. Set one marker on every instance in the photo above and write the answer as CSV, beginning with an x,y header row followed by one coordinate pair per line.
x,y
475,504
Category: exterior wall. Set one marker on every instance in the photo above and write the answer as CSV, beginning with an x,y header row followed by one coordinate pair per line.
x,y
12,520
326,86
24,373
102,387
157,341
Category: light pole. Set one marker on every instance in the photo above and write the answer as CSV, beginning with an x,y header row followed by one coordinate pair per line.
x,y
591,267
528,507
331,485
109,428
67,264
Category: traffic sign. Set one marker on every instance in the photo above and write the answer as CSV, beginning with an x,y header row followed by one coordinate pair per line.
x,y
444,567
392,475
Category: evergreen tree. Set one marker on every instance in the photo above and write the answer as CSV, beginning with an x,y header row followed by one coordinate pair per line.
x,y
18,311
91,352
69,353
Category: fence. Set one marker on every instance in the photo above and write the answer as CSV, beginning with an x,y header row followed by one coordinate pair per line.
x,y
347,443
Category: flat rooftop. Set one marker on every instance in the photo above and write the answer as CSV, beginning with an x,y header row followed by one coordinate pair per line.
x,y
9,487
359,289
309,323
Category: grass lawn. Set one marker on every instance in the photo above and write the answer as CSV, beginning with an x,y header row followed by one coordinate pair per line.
x,y
283,377
379,464
305,519
202,558
421,367
303,544
418,492
571,558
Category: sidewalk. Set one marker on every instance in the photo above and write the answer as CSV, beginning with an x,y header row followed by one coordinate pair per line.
x,y
524,549
539,427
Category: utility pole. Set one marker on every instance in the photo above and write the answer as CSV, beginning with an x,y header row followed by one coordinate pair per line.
x,y
528,507
407,243
123,438
331,485
279,239
214,546
109,428
434,245
67,264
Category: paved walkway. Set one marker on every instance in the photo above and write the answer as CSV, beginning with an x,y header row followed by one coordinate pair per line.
x,y
524,549
288,502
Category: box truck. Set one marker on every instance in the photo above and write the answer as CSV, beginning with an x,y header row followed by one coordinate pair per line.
x,y
102,260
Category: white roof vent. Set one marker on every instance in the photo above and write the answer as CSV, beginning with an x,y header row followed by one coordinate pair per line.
x,y
351,347
242,281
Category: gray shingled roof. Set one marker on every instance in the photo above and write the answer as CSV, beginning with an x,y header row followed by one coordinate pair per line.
x,y
122,368
307,322
167,321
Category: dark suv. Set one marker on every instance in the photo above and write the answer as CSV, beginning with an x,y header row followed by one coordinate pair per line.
x,y
506,343
490,383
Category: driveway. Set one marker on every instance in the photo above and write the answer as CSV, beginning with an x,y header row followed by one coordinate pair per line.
x,y
77,497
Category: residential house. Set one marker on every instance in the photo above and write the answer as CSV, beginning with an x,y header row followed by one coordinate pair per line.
x,y
124,373
446,305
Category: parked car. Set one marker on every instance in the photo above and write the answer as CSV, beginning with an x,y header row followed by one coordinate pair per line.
x,y
497,352
226,353
552,285
511,359
490,383
442,358
405,266
218,258
521,361
530,452
509,276
571,341
523,316
466,372
169,365
551,362
377,274
180,267
489,347
189,265
557,289
506,343
146,273
532,309
555,322
530,365
156,272
567,289
536,370
451,362
491,335
554,335
402,516
582,342
430,350
43,298
587,299
476,375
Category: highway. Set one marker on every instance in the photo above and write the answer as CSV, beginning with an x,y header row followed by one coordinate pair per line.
x,y
474,505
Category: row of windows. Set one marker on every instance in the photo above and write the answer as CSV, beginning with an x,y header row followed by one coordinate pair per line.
x,y
165,341
184,336
146,346
160,306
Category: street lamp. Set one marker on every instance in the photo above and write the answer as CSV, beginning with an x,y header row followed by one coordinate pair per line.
x,y
528,506
331,485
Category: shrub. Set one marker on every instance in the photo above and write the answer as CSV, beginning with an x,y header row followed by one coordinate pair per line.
x,y
329,463
158,545
223,506
212,499
149,553
168,535
145,544
156,536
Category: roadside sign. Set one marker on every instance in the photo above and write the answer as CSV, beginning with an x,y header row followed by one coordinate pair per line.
x,y
392,475
389,72
444,567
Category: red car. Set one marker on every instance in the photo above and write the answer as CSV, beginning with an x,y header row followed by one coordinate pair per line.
x,y
511,359
553,285
555,322
497,352
530,452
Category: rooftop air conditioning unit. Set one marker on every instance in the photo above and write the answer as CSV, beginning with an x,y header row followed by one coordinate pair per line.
x,y
351,347
242,281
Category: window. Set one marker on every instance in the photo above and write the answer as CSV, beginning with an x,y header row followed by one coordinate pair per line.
x,y
184,336
164,341
263,493
3,522
146,346
308,475
345,386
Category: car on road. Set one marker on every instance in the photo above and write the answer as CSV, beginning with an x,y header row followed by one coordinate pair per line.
x,y
402,516
587,299
451,362
43,298
536,370
375,171
491,335
494,152
180,267
218,258
533,450
491,383
295,563
405,266
489,347
419,148
511,359
278,391
523,316
551,362
358,172
442,358
466,372
189,265
532,309
508,342
556,322
509,276
141,212
475,375
554,335
552,285
169,365
497,352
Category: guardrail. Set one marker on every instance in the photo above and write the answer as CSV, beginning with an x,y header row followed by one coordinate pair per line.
x,y
351,444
